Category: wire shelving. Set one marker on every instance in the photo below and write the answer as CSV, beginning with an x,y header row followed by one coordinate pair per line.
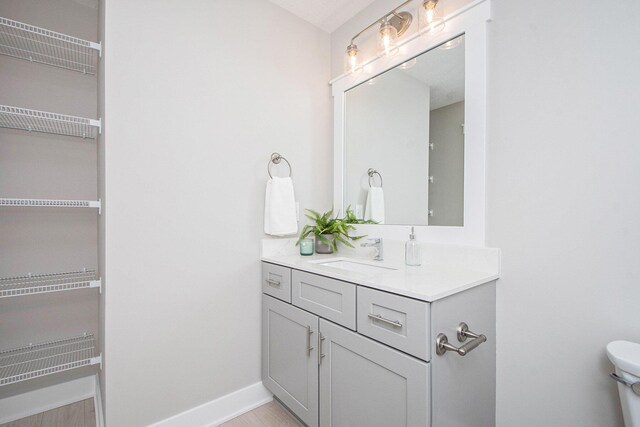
x,y
46,122
36,44
50,203
33,361
32,284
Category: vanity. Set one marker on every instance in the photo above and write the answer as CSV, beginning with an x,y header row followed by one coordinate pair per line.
x,y
347,341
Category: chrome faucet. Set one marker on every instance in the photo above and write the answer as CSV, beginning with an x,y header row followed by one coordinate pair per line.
x,y
377,243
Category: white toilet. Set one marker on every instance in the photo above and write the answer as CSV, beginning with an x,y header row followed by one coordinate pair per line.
x,y
625,356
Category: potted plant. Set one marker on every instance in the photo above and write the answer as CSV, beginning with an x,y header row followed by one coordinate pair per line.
x,y
329,230
351,218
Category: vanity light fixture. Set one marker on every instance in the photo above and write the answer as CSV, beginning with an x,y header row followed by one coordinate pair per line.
x,y
392,25
429,16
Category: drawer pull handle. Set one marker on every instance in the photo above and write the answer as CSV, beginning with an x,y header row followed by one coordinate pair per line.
x,y
442,342
395,323
321,355
274,283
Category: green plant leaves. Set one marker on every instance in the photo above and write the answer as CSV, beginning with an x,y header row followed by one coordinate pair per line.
x,y
325,224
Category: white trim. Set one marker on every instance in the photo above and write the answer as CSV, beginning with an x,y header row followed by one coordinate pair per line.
x,y
97,403
44,399
222,409
472,22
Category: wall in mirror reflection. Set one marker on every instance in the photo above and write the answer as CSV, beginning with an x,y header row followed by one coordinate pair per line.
x,y
408,125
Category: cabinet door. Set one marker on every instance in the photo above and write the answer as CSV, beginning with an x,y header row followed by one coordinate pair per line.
x,y
290,357
365,383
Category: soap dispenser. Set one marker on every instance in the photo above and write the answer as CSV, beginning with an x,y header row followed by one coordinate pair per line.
x,y
412,250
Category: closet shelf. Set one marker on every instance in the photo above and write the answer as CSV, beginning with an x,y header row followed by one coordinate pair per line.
x,y
42,121
35,361
48,203
43,283
35,44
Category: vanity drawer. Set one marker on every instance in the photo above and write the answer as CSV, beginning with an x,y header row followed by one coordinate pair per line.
x,y
398,321
332,299
276,281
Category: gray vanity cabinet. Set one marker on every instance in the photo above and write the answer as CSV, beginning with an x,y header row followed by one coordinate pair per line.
x,y
365,383
344,355
360,382
290,358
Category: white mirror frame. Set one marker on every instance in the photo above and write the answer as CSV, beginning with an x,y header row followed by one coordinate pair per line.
x,y
471,21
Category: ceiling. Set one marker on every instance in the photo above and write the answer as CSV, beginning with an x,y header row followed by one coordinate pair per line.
x,y
325,14
443,71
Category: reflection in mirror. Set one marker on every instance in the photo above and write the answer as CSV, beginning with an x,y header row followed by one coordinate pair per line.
x,y
404,141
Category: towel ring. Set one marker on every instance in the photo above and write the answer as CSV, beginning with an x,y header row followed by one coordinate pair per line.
x,y
275,159
372,172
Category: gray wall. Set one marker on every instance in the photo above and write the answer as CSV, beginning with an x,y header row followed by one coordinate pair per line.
x,y
32,165
398,152
39,165
562,203
563,168
195,104
446,165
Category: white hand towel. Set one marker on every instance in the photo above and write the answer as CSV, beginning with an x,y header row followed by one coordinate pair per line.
x,y
280,208
374,208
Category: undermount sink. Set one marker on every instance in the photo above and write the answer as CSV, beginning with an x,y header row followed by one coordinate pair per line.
x,y
351,265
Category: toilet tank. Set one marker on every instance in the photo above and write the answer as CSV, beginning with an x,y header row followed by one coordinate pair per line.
x,y
625,356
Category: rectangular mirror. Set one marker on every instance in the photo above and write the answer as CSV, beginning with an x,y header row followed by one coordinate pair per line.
x,y
404,141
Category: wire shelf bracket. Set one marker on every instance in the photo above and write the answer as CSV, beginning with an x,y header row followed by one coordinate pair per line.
x,y
51,203
34,361
35,44
46,122
32,284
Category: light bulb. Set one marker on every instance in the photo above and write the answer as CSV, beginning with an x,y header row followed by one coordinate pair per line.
x,y
451,43
351,59
429,14
430,19
410,63
387,36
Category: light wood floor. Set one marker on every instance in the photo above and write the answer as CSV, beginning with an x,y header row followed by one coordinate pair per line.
x,y
271,414
79,414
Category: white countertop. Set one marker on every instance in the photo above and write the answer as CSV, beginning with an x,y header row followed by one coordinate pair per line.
x,y
445,269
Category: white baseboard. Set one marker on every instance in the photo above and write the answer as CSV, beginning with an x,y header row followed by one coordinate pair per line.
x,y
222,409
44,399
